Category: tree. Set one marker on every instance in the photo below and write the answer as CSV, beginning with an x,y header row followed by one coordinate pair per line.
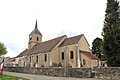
x,y
111,34
96,47
3,49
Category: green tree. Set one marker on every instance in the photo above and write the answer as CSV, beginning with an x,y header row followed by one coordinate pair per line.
x,y
3,49
96,47
111,34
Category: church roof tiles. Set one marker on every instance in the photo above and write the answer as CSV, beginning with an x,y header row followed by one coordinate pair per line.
x,y
46,46
90,55
71,40
23,53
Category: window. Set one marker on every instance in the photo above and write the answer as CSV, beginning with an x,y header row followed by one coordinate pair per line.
x,y
84,62
37,59
30,59
71,55
45,57
37,38
62,55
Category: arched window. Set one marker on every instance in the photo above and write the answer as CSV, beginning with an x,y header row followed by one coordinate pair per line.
x,y
45,57
37,38
30,59
71,55
84,62
62,55
37,59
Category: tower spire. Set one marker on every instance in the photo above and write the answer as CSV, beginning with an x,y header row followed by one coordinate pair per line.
x,y
34,37
36,24
36,31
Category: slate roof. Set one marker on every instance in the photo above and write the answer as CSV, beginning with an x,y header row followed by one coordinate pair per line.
x,y
23,53
46,46
71,40
92,56
35,31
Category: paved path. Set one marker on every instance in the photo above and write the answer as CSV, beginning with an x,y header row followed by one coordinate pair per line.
x,y
42,77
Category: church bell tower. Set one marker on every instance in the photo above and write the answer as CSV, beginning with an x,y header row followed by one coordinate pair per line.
x,y
34,37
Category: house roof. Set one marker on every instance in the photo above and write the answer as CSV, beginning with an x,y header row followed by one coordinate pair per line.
x,y
23,53
88,54
46,46
71,40
35,31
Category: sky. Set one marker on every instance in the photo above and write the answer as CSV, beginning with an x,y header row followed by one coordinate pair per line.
x,y
55,18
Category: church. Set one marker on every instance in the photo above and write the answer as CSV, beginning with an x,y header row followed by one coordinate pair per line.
x,y
63,51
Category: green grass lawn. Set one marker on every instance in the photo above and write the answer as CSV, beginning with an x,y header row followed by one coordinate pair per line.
x,y
6,77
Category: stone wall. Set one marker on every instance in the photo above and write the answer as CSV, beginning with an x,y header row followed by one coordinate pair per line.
x,y
111,73
61,72
104,73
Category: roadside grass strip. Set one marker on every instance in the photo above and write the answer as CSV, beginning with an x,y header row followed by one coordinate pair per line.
x,y
7,77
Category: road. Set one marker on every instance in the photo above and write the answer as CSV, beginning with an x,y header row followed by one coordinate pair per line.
x,y
42,77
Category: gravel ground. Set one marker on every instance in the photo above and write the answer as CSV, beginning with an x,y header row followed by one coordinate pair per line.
x,y
42,77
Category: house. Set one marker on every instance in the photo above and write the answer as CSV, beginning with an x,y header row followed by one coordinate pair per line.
x,y
62,51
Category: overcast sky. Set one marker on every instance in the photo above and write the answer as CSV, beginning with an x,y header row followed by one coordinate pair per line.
x,y
55,18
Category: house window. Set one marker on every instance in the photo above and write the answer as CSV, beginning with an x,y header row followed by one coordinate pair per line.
x,y
62,55
71,55
45,57
84,62
37,38
30,59
37,59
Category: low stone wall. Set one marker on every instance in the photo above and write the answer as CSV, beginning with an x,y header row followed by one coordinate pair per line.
x,y
61,72
111,73
104,73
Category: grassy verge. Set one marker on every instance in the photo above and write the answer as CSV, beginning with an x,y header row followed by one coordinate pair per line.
x,y
7,77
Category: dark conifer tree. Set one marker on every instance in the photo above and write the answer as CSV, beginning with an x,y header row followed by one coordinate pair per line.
x,y
96,47
111,34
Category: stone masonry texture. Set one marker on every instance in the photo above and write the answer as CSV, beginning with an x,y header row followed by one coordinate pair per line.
x,y
102,73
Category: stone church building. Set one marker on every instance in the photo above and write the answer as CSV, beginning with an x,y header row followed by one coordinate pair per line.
x,y
62,51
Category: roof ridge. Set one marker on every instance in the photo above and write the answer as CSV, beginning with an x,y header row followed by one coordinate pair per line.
x,y
52,39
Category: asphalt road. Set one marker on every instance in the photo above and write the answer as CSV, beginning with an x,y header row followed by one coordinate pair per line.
x,y
42,77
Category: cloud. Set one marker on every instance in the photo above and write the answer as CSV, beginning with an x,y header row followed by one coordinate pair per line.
x,y
13,47
61,33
